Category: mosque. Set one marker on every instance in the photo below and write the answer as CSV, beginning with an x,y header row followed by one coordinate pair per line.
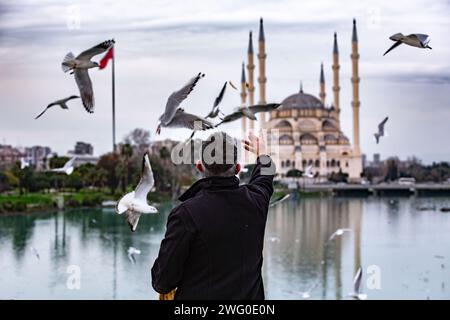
x,y
308,131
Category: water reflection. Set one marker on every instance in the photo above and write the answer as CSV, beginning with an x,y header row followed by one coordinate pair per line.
x,y
409,245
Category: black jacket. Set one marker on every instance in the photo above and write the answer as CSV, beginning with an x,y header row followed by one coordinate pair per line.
x,y
214,240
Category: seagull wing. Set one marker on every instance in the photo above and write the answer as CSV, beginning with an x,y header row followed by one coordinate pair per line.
x,y
46,108
280,199
381,126
69,163
147,180
264,107
308,169
357,281
187,120
132,218
231,117
100,48
220,96
85,86
395,45
70,98
177,97
422,38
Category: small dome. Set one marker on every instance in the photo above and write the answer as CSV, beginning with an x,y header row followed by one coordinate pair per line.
x,y
301,100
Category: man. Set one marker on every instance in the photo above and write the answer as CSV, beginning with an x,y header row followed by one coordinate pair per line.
x,y
214,240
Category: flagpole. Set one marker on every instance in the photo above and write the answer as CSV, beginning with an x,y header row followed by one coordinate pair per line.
x,y
113,103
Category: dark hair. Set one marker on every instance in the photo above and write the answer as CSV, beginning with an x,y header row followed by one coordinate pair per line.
x,y
219,154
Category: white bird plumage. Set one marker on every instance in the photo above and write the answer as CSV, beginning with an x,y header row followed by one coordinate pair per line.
x,y
67,169
175,117
418,40
80,65
24,163
338,233
279,200
135,203
308,172
356,293
35,252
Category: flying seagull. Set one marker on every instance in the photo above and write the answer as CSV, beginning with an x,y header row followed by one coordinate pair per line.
x,y
380,132
248,112
308,172
79,65
279,200
24,163
338,233
232,85
36,253
415,40
67,169
175,117
135,203
356,294
131,252
215,109
61,103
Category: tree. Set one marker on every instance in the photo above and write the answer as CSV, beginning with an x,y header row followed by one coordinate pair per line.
x,y
109,163
139,140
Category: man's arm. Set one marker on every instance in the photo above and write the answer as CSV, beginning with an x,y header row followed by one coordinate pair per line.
x,y
264,171
168,267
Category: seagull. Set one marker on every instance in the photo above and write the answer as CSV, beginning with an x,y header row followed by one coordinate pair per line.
x,y
380,132
356,294
61,103
131,252
249,112
232,85
135,203
79,65
67,169
24,163
175,117
215,109
279,200
36,253
338,232
415,40
308,172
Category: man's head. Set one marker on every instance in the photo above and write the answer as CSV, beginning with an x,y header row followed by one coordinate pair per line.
x,y
219,156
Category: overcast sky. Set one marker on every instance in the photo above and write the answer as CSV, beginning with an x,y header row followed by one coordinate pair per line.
x,y
161,44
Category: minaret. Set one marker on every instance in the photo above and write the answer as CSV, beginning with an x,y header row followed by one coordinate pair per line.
x,y
251,85
322,93
355,88
336,87
262,70
243,100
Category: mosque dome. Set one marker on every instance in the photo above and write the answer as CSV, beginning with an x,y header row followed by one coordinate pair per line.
x,y
301,100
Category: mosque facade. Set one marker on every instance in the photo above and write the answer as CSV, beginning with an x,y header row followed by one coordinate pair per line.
x,y
304,131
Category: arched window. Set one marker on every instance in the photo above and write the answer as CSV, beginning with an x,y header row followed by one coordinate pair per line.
x,y
338,163
282,164
307,125
327,125
317,163
293,163
330,139
303,163
346,164
286,139
328,163
333,163
308,138
310,162
288,163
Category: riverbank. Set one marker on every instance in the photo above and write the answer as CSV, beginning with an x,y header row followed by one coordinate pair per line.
x,y
33,202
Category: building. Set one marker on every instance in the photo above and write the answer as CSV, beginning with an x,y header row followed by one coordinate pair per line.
x,y
82,148
309,131
37,156
9,156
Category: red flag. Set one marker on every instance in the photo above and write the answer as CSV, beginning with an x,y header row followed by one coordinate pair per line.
x,y
106,58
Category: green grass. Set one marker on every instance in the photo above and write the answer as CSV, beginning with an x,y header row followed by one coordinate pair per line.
x,y
21,203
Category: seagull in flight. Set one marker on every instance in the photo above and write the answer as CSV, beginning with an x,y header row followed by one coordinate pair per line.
x,y
356,294
79,65
60,102
415,40
248,112
23,163
67,169
175,117
135,203
380,132
132,251
308,172
279,200
338,233
215,109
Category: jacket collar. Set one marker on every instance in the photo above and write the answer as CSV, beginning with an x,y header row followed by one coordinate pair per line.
x,y
210,183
